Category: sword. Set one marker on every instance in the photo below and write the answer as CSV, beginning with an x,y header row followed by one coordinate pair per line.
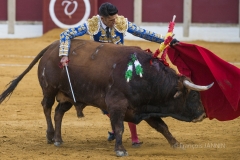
x,y
70,84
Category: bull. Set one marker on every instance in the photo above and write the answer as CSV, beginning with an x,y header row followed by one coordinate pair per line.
x,y
97,72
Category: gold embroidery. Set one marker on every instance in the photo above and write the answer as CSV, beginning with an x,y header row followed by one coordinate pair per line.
x,y
83,27
93,25
130,25
63,50
113,33
116,40
133,27
103,32
103,39
74,31
71,33
121,24
80,29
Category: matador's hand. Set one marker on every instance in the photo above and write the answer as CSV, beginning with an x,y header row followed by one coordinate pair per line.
x,y
174,42
64,61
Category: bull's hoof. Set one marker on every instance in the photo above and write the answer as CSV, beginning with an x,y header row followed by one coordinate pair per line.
x,y
49,141
80,115
57,144
177,145
49,137
121,153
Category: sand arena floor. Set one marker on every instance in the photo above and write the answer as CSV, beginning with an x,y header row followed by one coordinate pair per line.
x,y
23,126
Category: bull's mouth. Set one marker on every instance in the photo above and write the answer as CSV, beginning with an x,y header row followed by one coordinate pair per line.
x,y
200,118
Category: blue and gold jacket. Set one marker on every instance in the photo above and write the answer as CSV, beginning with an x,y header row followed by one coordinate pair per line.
x,y
94,28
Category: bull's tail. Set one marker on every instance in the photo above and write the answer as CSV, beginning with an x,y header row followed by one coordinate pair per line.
x,y
13,84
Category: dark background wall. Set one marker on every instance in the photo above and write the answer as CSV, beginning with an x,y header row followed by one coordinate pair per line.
x,y
203,11
29,10
162,11
3,10
215,11
26,10
125,7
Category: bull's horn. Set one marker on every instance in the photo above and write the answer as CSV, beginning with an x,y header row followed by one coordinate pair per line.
x,y
195,87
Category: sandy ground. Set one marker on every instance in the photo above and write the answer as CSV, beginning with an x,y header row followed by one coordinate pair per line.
x,y
23,126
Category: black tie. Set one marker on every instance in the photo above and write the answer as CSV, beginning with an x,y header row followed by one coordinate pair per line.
x,y
107,32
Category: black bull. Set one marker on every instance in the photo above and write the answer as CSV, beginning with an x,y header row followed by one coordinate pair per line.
x,y
97,73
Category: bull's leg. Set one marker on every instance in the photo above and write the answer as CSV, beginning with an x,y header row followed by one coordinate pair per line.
x,y
158,124
117,106
59,113
47,104
79,108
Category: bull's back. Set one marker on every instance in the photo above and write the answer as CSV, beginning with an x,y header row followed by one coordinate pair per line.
x,y
97,61
93,67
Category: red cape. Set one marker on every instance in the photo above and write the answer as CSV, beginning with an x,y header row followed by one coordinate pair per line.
x,y
203,67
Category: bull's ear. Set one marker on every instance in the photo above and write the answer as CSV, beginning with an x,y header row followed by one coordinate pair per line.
x,y
177,94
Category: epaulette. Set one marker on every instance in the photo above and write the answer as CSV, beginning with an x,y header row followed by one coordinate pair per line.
x,y
121,24
93,25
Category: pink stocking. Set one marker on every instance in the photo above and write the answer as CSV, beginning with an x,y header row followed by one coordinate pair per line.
x,y
133,131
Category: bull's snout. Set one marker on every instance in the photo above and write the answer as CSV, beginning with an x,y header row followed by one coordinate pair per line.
x,y
200,118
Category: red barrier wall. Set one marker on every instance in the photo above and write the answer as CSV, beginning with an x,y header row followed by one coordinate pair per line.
x,y
125,7
215,11
3,10
60,9
203,11
29,10
162,10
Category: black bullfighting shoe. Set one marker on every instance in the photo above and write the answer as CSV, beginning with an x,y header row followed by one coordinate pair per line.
x,y
136,144
111,136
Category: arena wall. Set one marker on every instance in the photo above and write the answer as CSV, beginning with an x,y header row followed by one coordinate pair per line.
x,y
224,12
3,10
203,11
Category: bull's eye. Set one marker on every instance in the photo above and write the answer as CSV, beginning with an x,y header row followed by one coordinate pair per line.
x,y
194,95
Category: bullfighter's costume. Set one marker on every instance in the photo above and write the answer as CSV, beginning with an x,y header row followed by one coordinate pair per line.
x,y
97,30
